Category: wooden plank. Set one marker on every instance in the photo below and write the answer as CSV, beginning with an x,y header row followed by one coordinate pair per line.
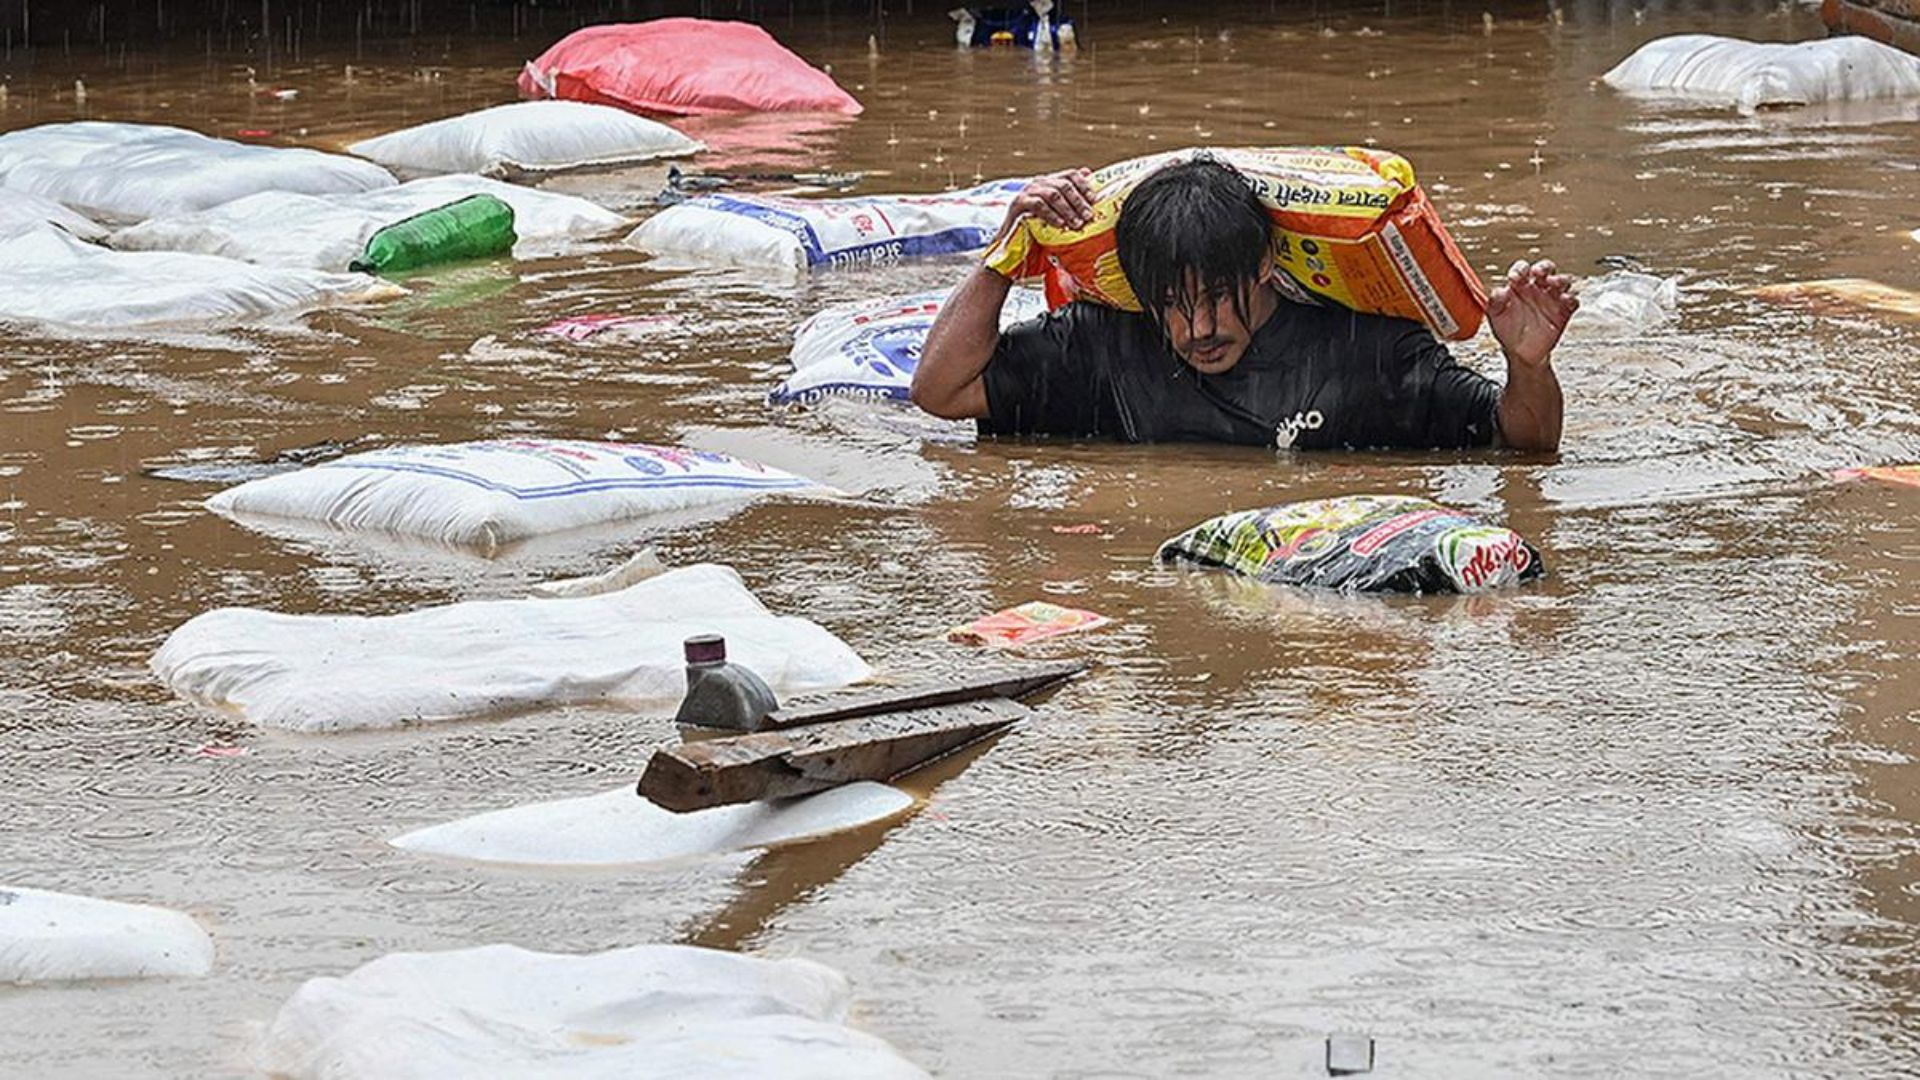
x,y
1011,683
797,761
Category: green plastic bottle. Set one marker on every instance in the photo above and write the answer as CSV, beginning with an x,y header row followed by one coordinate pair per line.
x,y
475,227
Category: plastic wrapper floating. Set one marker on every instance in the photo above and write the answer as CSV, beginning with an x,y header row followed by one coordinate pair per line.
x,y
1033,621
1361,543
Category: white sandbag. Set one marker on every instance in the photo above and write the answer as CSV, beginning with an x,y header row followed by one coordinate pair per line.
x,y
620,827
484,495
1624,303
643,565
24,212
1750,75
870,349
526,137
328,232
50,936
122,173
485,657
641,1013
781,232
53,278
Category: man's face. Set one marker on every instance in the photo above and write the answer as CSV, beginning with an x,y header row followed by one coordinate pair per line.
x,y
1209,334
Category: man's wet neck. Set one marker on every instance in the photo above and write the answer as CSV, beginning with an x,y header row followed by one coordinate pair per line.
x,y
1265,301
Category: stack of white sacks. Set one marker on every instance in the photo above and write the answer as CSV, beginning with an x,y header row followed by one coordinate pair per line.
x,y
116,226
612,639
113,227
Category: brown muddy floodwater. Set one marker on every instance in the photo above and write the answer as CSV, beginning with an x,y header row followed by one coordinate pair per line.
x,y
1655,817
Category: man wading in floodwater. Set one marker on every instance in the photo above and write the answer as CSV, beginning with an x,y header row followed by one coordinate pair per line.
x,y
1223,356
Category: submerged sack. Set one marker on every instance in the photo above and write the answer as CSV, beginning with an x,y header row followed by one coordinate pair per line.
x,y
123,173
50,936
1753,75
526,137
645,1012
22,212
476,227
779,231
1361,543
1350,225
328,232
487,494
682,67
619,827
54,278
487,657
870,349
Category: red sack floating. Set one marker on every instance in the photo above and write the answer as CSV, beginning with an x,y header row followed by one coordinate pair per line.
x,y
682,67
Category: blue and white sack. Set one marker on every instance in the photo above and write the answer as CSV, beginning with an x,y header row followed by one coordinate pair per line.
x,y
779,231
484,495
869,349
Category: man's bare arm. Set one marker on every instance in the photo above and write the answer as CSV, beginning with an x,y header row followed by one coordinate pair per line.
x,y
950,380
1528,313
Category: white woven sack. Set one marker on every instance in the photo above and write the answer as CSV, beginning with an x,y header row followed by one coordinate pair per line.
x,y
870,349
781,232
485,495
24,212
1752,75
53,278
639,1013
328,232
123,173
526,137
50,936
486,657
620,828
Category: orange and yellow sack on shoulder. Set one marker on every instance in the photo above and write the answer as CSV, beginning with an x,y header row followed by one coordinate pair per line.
x,y
1350,226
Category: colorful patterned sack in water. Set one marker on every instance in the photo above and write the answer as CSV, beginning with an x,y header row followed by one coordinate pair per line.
x,y
1350,226
1361,543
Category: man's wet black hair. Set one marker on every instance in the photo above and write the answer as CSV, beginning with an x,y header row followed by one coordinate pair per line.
x,y
1200,216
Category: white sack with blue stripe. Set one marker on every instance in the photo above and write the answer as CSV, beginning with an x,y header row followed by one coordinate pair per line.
x,y
870,348
486,495
483,658
777,231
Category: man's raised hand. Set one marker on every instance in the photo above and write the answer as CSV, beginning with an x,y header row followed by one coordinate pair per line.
x,y
1063,200
1529,312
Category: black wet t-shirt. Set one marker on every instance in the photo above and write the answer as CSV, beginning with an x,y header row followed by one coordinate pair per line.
x,y
1315,378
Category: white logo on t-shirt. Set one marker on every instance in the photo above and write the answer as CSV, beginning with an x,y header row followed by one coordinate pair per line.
x,y
1284,435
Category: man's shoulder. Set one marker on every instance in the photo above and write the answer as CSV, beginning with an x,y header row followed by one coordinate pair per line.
x,y
1093,332
1099,318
